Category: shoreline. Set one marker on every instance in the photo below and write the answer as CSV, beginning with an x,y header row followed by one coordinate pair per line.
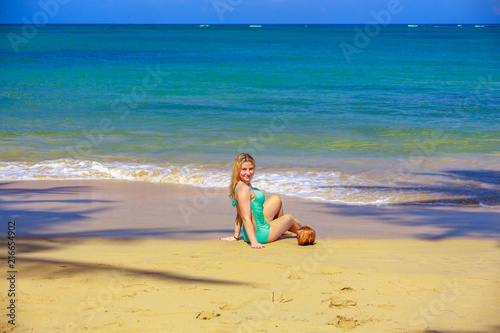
x,y
464,181
125,209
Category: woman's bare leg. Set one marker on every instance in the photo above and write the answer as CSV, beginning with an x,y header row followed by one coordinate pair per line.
x,y
273,208
283,223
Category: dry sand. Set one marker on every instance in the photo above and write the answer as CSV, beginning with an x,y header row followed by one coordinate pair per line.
x,y
138,257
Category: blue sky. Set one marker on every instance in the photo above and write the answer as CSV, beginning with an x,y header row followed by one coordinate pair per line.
x,y
250,11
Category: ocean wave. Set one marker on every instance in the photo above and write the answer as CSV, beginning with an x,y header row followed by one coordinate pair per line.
x,y
93,170
327,186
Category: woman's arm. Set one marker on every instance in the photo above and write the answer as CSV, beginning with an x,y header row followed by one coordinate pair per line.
x,y
237,227
246,215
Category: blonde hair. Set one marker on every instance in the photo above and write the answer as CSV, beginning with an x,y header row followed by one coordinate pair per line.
x,y
238,162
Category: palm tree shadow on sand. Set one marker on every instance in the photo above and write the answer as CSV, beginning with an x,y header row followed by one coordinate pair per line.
x,y
16,204
481,188
477,188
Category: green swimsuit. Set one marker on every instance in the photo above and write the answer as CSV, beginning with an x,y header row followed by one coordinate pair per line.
x,y
257,206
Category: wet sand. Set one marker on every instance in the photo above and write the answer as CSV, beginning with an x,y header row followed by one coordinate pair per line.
x,y
121,209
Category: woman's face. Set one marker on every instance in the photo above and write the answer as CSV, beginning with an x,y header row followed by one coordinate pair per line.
x,y
246,172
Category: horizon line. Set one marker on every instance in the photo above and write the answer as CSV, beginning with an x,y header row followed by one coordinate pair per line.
x,y
270,24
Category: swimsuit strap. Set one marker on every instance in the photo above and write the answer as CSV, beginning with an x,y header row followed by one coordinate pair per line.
x,y
234,203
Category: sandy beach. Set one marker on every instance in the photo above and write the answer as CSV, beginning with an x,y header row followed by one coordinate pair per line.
x,y
110,256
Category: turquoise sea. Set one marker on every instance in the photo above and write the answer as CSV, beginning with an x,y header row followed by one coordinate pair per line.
x,y
336,113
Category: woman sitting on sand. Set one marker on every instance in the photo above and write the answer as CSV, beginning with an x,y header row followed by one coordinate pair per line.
x,y
263,222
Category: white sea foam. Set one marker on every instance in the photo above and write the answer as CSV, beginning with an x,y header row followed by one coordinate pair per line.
x,y
328,186
84,169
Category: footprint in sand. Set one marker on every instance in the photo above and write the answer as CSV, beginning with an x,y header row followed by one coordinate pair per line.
x,y
205,315
132,295
335,302
343,304
344,322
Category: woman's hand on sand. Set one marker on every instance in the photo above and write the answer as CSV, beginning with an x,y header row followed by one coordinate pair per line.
x,y
228,239
257,246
